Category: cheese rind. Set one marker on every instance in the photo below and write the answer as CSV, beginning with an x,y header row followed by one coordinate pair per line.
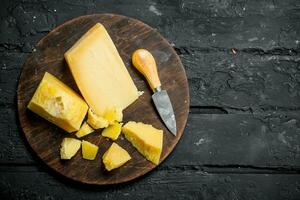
x,y
89,150
96,121
69,148
145,138
59,104
84,130
99,71
113,131
115,157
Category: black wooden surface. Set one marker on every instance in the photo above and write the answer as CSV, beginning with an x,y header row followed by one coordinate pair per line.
x,y
242,59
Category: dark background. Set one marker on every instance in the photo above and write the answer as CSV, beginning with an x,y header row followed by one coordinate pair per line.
x,y
242,139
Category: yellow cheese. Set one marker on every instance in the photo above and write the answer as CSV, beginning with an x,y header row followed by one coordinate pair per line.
x,y
145,138
113,131
99,72
58,103
96,121
113,115
69,148
84,130
89,150
115,157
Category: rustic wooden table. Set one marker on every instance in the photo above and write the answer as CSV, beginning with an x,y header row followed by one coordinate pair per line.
x,y
242,140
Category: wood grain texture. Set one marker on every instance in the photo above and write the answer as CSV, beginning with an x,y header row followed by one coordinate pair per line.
x,y
188,184
128,34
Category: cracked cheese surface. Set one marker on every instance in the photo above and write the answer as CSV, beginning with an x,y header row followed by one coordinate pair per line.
x,y
59,104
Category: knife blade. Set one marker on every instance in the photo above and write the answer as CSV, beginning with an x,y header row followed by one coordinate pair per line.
x,y
164,107
145,63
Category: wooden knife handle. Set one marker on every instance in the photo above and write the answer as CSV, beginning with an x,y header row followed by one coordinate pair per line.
x,y
144,62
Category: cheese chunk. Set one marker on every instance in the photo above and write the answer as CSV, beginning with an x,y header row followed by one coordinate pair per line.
x,y
89,150
113,131
69,148
115,157
58,103
96,121
84,130
113,115
145,138
99,72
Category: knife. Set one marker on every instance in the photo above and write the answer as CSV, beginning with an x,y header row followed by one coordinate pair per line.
x,y
145,63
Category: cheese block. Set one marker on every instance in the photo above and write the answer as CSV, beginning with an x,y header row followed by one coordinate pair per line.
x,y
145,138
99,72
96,121
84,130
113,131
115,157
58,103
89,150
69,148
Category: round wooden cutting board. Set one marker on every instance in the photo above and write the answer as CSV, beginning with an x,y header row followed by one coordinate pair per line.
x,y
128,35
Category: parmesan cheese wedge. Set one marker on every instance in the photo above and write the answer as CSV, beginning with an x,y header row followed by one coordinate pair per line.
x,y
100,73
115,157
58,103
69,148
113,115
145,138
113,131
96,121
89,150
84,130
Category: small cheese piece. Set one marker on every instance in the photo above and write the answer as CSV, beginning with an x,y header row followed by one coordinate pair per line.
x,y
69,148
145,138
113,115
96,121
89,150
115,157
113,131
99,71
84,130
58,103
